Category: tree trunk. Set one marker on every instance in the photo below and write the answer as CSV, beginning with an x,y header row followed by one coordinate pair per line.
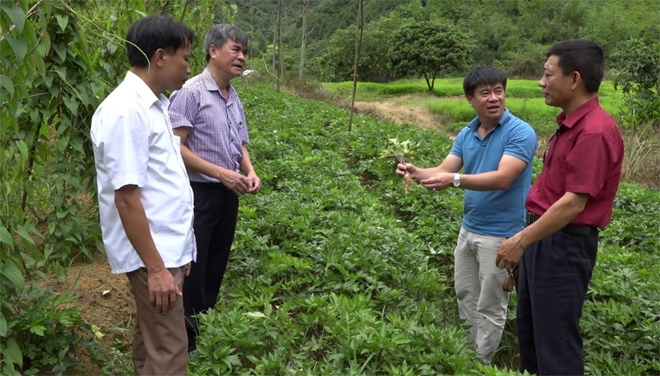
x,y
275,43
279,41
304,40
251,26
428,82
358,46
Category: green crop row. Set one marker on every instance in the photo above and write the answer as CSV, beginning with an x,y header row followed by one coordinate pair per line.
x,y
336,272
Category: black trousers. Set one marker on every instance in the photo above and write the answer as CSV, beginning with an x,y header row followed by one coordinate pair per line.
x,y
216,212
554,276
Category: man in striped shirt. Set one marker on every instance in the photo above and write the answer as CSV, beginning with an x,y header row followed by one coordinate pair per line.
x,y
208,117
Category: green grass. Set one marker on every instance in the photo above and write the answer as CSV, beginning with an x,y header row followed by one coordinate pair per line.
x,y
524,99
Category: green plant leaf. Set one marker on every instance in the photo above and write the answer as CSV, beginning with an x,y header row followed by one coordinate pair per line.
x,y
3,325
13,353
256,315
5,237
18,45
62,21
15,14
7,84
23,148
38,330
13,274
25,234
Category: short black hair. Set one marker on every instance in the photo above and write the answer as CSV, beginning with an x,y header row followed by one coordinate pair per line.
x,y
153,32
220,34
583,56
483,76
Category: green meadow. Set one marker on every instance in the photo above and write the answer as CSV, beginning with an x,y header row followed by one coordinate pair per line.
x,y
523,98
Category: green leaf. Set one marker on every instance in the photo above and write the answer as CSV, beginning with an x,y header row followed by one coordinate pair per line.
x,y
15,14
256,315
62,143
61,52
13,274
5,237
44,46
3,325
13,353
7,84
24,233
18,45
38,330
62,21
23,148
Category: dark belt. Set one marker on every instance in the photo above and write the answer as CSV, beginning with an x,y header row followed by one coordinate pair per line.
x,y
576,229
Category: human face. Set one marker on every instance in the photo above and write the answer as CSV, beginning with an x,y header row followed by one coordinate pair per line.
x,y
176,67
557,87
488,102
229,60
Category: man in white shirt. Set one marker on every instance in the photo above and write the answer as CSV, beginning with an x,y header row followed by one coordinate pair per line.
x,y
145,200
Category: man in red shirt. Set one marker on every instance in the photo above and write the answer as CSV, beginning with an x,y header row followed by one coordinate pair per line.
x,y
568,203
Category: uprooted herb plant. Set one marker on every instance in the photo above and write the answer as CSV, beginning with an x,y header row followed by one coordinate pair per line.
x,y
400,150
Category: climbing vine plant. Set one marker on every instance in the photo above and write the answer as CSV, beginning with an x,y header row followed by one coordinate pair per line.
x,y
58,60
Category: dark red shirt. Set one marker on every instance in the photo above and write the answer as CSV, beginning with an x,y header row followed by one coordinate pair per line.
x,y
584,156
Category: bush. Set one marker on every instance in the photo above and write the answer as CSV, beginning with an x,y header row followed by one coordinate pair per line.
x,y
44,333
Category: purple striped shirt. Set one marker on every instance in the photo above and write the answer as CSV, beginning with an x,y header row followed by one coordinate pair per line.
x,y
217,127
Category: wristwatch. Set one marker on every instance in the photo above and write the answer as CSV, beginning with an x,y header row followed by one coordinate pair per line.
x,y
457,180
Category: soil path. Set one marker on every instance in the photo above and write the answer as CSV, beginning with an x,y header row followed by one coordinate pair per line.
x,y
392,110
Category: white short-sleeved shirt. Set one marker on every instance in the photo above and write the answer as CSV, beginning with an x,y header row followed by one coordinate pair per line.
x,y
134,145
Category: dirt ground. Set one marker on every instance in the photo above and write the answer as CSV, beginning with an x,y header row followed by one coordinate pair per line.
x,y
390,110
113,312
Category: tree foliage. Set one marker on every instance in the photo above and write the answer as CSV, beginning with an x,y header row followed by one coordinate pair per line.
x,y
429,50
637,72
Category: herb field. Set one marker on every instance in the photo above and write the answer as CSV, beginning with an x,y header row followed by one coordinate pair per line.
x,y
336,272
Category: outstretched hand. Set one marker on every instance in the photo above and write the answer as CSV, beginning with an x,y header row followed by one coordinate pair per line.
x,y
402,168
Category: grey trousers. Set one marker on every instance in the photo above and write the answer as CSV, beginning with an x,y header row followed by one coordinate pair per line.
x,y
482,303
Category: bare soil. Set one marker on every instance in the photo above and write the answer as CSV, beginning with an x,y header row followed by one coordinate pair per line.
x,y
113,313
391,110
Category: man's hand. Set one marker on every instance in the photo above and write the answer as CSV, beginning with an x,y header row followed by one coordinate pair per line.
x,y
510,252
236,182
438,181
188,266
254,183
162,289
402,168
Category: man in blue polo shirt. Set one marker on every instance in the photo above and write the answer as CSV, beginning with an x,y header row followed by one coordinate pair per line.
x,y
496,151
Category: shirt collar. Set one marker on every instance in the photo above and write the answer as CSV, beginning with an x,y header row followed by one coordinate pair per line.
x,y
578,114
147,96
474,124
211,85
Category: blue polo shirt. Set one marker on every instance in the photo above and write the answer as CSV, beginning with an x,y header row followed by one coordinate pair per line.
x,y
496,212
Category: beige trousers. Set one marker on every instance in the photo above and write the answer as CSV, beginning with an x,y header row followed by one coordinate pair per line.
x,y
481,301
160,344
